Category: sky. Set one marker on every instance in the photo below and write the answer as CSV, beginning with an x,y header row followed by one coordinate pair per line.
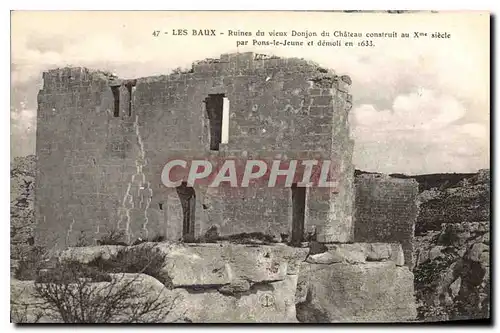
x,y
420,105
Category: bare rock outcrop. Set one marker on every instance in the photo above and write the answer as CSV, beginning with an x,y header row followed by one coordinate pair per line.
x,y
360,282
452,273
22,218
238,283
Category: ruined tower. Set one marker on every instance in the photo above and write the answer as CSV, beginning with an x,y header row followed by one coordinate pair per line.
x,y
102,143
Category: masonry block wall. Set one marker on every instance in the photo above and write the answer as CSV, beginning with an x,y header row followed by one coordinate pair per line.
x,y
102,143
386,211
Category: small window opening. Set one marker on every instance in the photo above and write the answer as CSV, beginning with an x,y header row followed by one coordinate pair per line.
x,y
116,97
130,89
217,107
160,206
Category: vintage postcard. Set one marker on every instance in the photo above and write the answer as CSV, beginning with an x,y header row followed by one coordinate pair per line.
x,y
250,167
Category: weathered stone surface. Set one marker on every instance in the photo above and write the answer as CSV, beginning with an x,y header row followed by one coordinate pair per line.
x,y
22,219
359,253
14,265
302,283
188,266
455,287
210,264
86,254
365,292
325,258
452,273
352,253
460,205
221,264
235,287
485,238
378,251
397,254
267,302
293,256
452,278
435,252
476,253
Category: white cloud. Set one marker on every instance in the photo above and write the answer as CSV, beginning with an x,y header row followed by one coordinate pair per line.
x,y
420,134
23,131
23,120
418,107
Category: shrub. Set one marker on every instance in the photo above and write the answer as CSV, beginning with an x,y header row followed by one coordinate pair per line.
x,y
139,259
69,296
113,237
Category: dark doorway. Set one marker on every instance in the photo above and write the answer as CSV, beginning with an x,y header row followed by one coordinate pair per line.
x,y
298,213
188,202
214,105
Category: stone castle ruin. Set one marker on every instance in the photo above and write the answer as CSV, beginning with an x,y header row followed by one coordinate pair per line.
x,y
102,143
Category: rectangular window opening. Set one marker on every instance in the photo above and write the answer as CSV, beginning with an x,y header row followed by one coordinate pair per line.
x,y
298,213
131,89
225,120
217,107
116,98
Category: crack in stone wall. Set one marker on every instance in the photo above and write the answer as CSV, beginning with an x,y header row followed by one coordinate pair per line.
x,y
70,229
143,189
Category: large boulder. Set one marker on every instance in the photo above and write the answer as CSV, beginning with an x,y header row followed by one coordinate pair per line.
x,y
204,265
365,292
272,302
359,253
214,264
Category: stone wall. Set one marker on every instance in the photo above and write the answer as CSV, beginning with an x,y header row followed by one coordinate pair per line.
x,y
386,211
85,157
102,143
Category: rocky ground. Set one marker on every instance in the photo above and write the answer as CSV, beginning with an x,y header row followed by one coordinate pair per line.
x,y
22,218
225,282
452,250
